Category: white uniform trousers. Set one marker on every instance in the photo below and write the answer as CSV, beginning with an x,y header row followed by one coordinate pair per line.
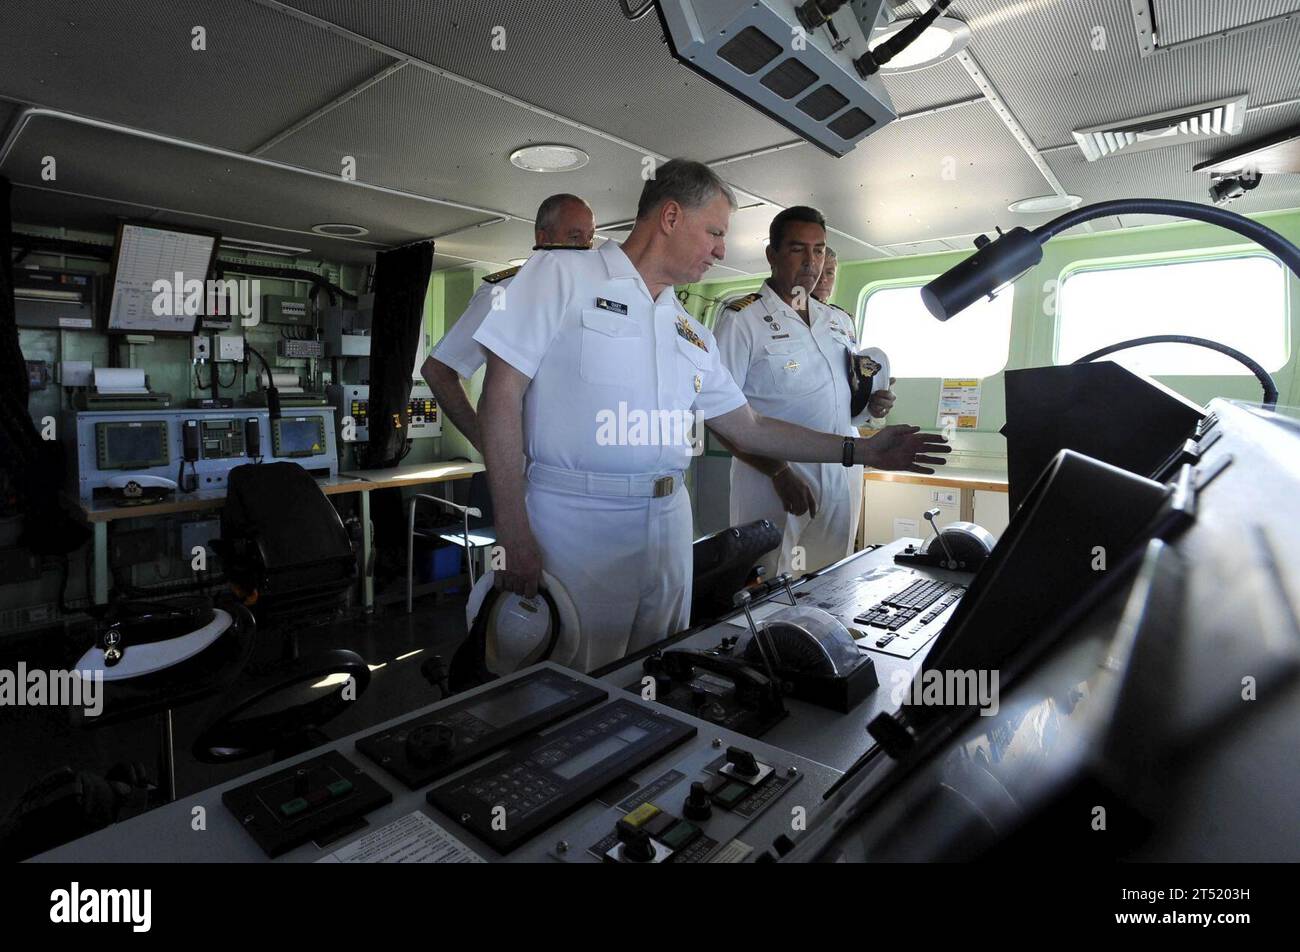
x,y
826,539
625,560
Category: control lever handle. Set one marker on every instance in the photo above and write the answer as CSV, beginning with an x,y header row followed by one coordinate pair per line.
x,y
930,516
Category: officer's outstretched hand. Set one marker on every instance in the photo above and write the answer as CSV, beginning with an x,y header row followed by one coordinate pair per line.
x,y
796,495
905,448
522,571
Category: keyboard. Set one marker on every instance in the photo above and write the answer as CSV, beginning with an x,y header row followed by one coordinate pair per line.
x,y
926,598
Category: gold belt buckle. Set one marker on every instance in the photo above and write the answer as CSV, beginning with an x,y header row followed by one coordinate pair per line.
x,y
663,486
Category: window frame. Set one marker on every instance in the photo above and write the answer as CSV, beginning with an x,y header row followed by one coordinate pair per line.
x,y
889,284
1131,262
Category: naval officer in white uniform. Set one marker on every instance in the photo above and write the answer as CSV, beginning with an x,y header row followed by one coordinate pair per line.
x,y
788,353
563,221
591,345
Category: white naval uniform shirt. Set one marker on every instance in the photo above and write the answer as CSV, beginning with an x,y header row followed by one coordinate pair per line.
x,y
458,349
796,372
582,326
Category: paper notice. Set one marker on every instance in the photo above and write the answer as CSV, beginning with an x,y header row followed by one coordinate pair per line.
x,y
959,403
413,838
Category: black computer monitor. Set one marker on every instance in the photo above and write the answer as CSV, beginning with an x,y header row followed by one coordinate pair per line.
x,y
1102,410
1076,524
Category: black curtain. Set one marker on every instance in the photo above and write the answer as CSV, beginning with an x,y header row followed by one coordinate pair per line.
x,y
33,467
401,286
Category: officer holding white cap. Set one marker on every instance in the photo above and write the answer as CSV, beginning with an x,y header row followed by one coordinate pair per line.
x,y
791,355
593,367
563,221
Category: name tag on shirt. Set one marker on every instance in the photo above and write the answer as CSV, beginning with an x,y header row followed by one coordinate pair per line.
x,y
780,337
607,305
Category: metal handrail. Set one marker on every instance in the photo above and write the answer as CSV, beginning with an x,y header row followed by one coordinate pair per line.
x,y
465,511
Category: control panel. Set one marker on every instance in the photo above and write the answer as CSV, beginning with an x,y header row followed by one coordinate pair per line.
x,y
424,749
113,443
543,765
352,404
222,439
295,349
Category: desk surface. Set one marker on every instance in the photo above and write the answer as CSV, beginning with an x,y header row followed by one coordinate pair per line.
x,y
994,480
414,473
106,510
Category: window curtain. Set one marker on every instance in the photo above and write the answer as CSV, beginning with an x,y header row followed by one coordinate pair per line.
x,y
34,468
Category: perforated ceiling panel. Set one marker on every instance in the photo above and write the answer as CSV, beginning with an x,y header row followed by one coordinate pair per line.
x,y
134,63
938,175
1044,58
1178,20
579,58
1167,173
933,86
423,133
119,167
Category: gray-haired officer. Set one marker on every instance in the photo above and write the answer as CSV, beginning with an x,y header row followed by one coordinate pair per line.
x,y
591,356
789,353
563,221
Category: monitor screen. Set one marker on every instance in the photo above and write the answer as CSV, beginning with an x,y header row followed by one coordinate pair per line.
x,y
136,444
298,436
1077,523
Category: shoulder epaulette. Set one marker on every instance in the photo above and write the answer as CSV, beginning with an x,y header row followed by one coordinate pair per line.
x,y
838,308
502,275
741,303
562,247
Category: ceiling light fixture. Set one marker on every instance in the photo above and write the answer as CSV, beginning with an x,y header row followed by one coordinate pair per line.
x,y
549,158
1045,203
943,39
250,246
340,230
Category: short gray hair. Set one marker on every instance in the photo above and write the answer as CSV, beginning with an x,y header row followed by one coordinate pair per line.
x,y
830,252
549,211
688,183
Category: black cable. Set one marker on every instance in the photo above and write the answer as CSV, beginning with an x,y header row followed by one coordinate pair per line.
x,y
871,61
289,274
1260,234
1263,376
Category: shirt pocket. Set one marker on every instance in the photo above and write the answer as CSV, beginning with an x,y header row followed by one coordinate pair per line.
x,y
791,368
693,365
611,349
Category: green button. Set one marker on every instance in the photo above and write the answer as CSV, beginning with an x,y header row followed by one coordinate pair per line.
x,y
682,833
339,787
291,807
730,795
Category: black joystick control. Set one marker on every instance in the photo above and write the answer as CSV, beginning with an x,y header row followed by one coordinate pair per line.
x,y
742,762
431,743
698,806
637,845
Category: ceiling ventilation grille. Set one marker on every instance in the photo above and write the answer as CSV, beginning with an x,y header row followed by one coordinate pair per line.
x,y
1210,120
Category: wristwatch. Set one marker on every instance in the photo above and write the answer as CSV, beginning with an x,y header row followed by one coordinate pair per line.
x,y
847,457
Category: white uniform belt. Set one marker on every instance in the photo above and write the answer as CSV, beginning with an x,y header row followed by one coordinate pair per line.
x,y
604,484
